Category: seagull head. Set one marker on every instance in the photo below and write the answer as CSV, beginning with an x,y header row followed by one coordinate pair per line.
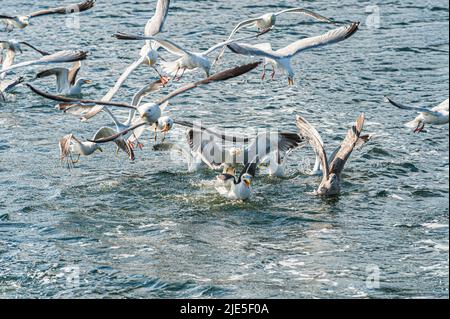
x,y
330,187
270,19
25,20
165,124
247,179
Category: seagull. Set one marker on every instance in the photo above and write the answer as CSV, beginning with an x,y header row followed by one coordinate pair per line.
x,y
12,47
267,22
282,57
7,86
66,79
59,57
331,180
149,113
436,116
188,61
22,22
147,56
238,188
71,146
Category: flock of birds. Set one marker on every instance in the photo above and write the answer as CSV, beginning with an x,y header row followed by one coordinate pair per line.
x,y
204,147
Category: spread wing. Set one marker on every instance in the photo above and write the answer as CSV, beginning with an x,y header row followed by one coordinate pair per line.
x,y
61,74
333,36
156,23
74,8
73,72
34,48
252,50
412,108
166,44
306,13
221,76
59,57
314,139
347,147
106,132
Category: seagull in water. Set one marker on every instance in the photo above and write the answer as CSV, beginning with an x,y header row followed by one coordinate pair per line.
x,y
66,79
267,22
331,181
188,61
22,22
435,116
238,188
147,56
282,58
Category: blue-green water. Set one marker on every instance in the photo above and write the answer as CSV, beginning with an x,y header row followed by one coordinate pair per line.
x,y
111,228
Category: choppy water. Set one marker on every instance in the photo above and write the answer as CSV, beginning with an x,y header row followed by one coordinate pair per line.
x,y
111,228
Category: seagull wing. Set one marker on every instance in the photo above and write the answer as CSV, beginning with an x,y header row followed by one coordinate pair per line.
x,y
223,44
313,137
116,135
306,13
243,24
330,37
68,102
267,143
252,50
74,8
166,44
73,72
106,132
412,108
350,142
62,76
64,146
34,48
221,76
98,108
156,23
8,61
59,57
146,90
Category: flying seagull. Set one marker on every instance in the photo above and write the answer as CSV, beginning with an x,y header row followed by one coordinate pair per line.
x,y
22,22
147,56
437,115
187,61
267,22
331,181
282,57
66,79
7,86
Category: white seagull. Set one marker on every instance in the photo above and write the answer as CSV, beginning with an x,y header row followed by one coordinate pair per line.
x,y
435,116
148,55
188,61
282,57
268,21
331,181
66,79
22,22
238,188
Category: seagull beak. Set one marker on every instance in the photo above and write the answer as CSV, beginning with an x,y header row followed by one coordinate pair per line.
x,y
149,61
290,81
166,128
247,182
88,82
100,150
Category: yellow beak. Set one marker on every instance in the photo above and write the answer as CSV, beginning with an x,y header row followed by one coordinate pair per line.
x,y
166,128
248,183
